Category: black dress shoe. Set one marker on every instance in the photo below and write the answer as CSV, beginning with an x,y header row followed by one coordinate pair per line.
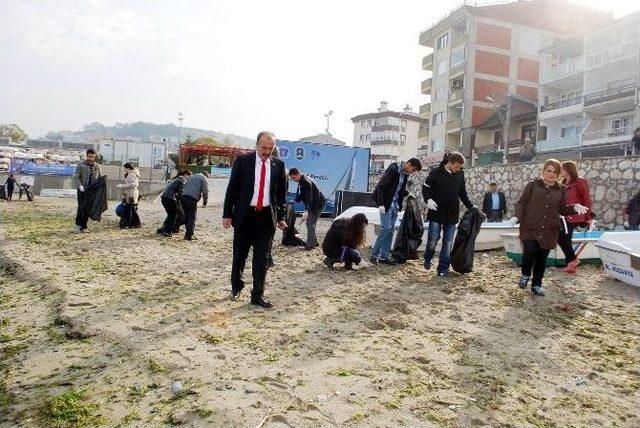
x,y
190,238
235,295
261,301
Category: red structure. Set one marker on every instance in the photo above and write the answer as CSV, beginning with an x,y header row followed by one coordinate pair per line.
x,y
189,150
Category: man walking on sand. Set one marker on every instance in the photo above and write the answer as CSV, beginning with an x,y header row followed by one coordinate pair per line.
x,y
254,206
310,195
195,188
86,173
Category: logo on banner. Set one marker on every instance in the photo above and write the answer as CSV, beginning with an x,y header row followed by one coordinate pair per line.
x,y
299,153
283,151
315,154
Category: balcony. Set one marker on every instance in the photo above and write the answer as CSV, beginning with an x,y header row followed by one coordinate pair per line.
x,y
427,62
604,136
383,142
555,144
380,128
560,104
426,86
423,132
457,69
455,96
425,110
610,94
613,54
565,69
423,148
454,124
458,38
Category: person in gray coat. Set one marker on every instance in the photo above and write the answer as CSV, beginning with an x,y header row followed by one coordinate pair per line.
x,y
194,189
86,173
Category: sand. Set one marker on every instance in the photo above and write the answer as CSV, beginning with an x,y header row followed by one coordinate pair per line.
x,y
123,315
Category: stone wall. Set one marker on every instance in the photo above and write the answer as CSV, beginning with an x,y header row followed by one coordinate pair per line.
x,y
613,181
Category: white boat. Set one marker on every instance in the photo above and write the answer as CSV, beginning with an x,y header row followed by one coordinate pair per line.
x,y
620,252
489,237
588,255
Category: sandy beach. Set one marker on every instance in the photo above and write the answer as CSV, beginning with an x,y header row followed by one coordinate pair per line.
x,y
98,328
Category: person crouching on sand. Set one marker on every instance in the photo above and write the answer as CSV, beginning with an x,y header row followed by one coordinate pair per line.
x,y
542,201
342,241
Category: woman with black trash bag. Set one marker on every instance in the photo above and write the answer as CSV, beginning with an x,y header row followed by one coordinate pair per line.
x,y
130,218
541,203
342,241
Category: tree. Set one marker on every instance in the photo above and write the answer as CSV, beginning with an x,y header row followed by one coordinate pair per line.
x,y
12,131
207,140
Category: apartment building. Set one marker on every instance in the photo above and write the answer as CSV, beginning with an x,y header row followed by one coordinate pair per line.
x,y
589,91
391,135
482,58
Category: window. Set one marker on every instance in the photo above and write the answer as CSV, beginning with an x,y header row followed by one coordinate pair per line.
x,y
361,138
437,118
457,56
569,131
441,93
442,67
622,125
367,137
403,139
437,146
529,131
443,41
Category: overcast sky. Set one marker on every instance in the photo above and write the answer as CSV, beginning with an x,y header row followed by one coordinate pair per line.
x,y
231,66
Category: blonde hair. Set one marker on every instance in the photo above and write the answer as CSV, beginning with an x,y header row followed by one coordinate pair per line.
x,y
552,162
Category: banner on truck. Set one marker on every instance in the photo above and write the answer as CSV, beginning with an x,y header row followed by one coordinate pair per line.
x,y
40,167
333,168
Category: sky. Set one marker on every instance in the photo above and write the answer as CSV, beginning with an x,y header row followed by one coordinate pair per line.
x,y
231,66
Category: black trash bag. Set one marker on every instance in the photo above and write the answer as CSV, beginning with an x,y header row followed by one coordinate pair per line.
x,y
179,216
290,235
409,236
465,242
3,192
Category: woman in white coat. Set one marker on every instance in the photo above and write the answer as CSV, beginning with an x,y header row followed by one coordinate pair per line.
x,y
130,195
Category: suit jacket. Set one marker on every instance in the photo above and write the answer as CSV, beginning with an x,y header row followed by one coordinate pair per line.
x,y
239,193
487,203
309,194
386,187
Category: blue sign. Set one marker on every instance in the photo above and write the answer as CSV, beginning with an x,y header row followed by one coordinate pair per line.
x,y
40,167
332,168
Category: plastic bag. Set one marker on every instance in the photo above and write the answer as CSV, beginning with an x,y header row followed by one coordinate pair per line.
x,y
290,235
409,236
465,242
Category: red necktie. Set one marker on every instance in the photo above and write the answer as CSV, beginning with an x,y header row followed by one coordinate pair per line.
x,y
263,173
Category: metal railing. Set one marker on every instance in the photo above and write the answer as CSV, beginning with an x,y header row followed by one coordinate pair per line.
x,y
385,141
426,85
558,143
454,124
458,37
609,94
565,69
379,128
613,54
619,133
423,132
455,95
560,104
425,109
427,62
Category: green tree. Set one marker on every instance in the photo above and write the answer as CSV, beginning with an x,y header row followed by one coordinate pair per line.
x,y
12,131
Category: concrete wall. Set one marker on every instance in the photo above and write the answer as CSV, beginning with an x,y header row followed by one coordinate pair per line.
x,y
612,181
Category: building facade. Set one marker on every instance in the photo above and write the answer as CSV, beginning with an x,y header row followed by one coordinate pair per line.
x,y
391,135
147,154
589,92
482,56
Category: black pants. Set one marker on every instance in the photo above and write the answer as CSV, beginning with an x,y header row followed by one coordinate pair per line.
x,y
190,207
494,216
171,207
9,193
82,215
256,231
130,217
534,258
564,240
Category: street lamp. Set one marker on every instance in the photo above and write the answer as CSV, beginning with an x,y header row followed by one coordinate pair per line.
x,y
328,115
180,119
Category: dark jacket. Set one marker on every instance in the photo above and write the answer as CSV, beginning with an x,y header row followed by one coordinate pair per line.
x,y
633,210
487,203
239,193
11,182
538,211
386,187
445,188
173,190
333,240
309,194
94,198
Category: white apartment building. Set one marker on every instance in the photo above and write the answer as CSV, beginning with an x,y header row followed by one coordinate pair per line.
x,y
148,154
391,135
589,92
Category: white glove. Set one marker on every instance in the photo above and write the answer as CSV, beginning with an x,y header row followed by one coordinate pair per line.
x,y
514,220
81,188
431,204
382,210
580,209
305,215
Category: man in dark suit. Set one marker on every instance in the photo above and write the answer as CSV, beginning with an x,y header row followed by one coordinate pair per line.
x,y
494,204
388,195
313,199
254,206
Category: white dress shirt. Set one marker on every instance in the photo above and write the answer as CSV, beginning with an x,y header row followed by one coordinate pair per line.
x,y
266,200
